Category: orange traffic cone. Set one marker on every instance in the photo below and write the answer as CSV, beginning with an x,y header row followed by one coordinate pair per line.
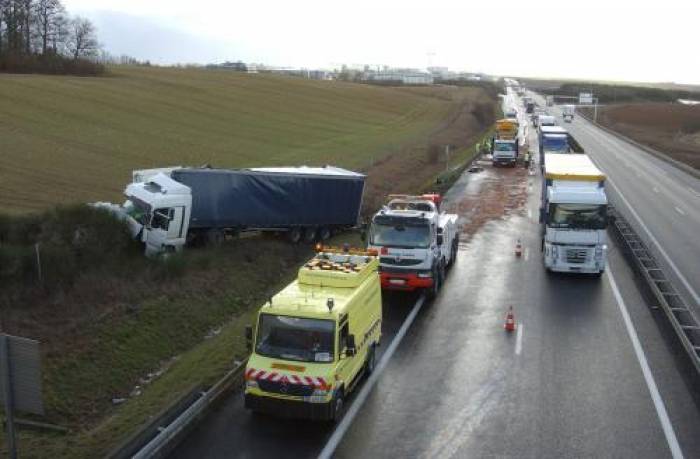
x,y
510,320
518,249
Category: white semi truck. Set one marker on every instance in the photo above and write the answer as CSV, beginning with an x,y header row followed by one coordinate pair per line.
x,y
573,215
416,243
568,112
169,207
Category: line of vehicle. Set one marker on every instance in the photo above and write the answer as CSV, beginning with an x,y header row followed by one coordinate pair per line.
x,y
661,412
342,428
653,239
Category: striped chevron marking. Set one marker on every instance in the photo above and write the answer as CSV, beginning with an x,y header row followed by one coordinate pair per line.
x,y
253,374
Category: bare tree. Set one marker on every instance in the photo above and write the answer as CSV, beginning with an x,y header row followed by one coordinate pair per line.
x,y
83,38
50,16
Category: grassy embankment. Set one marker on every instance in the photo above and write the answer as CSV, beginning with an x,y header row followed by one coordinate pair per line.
x,y
105,316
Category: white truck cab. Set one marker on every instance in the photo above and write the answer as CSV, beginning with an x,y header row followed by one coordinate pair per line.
x,y
416,242
162,207
573,215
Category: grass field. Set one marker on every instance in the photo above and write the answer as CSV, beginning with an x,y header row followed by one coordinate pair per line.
x,y
673,129
71,139
115,318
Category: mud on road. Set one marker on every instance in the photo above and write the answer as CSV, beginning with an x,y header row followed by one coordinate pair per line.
x,y
493,193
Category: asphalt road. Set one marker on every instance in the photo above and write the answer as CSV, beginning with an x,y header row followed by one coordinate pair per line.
x,y
665,201
567,383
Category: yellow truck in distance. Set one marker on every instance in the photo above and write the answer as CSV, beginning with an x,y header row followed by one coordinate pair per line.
x,y
504,147
315,339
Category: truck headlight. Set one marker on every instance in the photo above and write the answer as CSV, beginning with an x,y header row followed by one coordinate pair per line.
x,y
251,384
555,251
321,392
426,275
599,250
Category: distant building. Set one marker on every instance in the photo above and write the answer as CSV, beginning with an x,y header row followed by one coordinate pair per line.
x,y
237,66
408,78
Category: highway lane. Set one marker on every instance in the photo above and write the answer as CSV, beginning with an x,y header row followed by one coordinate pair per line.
x,y
569,385
664,198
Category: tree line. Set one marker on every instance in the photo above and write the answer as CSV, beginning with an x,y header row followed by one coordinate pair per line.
x,y
39,36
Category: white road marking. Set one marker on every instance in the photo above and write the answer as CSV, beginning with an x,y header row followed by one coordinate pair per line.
x,y
346,422
694,191
646,371
661,250
526,254
519,340
529,213
679,210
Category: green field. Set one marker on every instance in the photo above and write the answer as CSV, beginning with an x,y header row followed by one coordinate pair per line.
x,y
73,139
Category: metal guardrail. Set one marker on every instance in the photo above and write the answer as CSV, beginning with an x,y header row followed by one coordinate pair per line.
x,y
682,319
161,436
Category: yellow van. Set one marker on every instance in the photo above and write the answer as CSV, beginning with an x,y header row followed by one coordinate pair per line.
x,y
315,339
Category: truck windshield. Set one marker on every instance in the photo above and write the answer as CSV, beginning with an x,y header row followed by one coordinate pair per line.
x,y
400,235
137,210
577,216
295,338
555,144
504,146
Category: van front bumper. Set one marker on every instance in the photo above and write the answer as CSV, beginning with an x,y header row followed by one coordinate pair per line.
x,y
285,408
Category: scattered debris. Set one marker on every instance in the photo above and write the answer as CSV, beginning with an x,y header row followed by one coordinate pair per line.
x,y
212,333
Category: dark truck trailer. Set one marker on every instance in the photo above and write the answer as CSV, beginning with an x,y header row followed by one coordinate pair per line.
x,y
307,202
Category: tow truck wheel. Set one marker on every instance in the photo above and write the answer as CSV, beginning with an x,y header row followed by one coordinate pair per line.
x,y
433,291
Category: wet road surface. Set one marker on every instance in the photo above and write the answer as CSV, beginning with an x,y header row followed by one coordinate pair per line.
x,y
567,383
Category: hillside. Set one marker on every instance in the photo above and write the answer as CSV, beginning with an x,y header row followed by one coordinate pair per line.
x,y
72,139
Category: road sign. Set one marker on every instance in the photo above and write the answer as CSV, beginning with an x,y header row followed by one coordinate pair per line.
x,y
585,98
20,376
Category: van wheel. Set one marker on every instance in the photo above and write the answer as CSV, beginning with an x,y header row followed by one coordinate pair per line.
x,y
371,360
294,235
338,407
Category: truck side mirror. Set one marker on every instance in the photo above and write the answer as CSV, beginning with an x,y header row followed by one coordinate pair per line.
x,y
350,346
249,337
439,239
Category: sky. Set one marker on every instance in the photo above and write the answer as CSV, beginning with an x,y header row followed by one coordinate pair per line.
x,y
621,40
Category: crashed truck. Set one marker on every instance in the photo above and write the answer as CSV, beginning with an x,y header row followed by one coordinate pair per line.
x,y
168,208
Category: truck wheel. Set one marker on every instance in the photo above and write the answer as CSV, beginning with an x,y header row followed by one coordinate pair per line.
x,y
309,235
215,237
294,235
324,233
433,291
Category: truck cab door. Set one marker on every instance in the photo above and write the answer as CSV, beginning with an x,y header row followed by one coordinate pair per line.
x,y
156,232
176,226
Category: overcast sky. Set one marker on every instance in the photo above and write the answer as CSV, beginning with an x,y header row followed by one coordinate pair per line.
x,y
611,39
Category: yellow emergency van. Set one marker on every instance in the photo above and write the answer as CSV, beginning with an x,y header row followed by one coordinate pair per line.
x,y
315,339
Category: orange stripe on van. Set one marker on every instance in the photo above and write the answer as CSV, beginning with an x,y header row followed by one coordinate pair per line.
x,y
285,366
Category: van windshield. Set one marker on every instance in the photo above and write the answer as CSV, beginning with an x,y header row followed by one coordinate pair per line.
x,y
295,338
